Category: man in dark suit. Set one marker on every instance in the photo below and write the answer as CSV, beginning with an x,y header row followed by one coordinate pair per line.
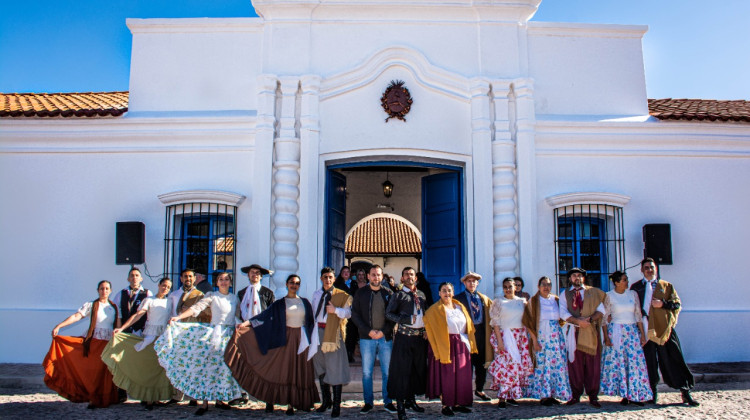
x,y
255,298
478,306
660,306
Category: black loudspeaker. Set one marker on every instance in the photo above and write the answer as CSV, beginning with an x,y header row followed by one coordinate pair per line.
x,y
130,243
657,243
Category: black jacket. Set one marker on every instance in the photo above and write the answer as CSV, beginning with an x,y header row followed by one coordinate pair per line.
x,y
265,294
401,307
362,315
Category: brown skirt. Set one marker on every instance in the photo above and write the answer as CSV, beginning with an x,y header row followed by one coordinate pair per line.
x,y
78,378
281,376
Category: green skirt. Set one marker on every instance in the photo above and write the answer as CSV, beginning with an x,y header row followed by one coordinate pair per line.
x,y
137,372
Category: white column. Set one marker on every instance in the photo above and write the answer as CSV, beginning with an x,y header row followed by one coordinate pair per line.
x,y
286,162
526,178
505,235
257,244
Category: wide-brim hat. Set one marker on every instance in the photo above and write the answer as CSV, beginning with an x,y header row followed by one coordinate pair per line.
x,y
263,271
577,270
471,274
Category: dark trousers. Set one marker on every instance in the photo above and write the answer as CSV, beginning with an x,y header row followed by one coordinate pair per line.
x,y
477,360
585,373
669,360
407,374
352,338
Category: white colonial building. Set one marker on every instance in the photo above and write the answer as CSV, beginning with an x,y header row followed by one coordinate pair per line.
x,y
527,148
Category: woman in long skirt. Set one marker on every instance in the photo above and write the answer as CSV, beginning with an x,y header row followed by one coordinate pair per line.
x,y
451,338
132,360
512,365
193,354
549,381
73,366
624,371
269,354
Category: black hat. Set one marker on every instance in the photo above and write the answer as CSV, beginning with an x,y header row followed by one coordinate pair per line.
x,y
263,271
577,270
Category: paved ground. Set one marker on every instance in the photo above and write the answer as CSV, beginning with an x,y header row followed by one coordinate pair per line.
x,y
722,389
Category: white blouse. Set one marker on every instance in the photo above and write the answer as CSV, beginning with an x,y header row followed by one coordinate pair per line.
x,y
157,315
549,309
295,312
456,320
105,319
507,313
224,308
625,308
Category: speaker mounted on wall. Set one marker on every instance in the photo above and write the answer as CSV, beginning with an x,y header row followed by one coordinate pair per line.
x,y
657,242
130,243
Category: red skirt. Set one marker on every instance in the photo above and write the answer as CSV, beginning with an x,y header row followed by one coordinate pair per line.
x,y
78,378
450,381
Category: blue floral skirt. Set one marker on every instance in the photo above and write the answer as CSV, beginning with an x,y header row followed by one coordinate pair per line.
x,y
192,355
550,376
624,371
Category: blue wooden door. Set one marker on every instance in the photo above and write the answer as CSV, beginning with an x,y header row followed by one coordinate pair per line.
x,y
335,219
442,247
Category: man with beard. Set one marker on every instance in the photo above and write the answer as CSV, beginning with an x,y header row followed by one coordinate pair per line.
x,y
407,376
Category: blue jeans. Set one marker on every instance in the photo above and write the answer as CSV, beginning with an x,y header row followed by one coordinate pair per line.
x,y
369,348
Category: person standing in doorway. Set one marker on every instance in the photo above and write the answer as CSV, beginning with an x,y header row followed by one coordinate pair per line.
x,y
375,335
660,308
582,308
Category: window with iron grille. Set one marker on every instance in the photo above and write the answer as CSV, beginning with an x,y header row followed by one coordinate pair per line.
x,y
200,236
589,236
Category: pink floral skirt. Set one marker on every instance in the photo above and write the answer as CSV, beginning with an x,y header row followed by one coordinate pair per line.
x,y
508,376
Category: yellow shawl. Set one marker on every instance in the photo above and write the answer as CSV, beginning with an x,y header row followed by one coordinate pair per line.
x,y
436,324
334,324
660,320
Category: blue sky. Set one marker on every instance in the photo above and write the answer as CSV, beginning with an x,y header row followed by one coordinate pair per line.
x,y
694,48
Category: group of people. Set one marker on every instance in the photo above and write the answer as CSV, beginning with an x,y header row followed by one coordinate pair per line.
x,y
223,347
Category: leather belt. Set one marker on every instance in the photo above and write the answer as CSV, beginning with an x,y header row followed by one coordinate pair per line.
x,y
410,331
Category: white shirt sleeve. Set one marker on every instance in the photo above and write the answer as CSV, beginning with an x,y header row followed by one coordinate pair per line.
x,y
85,310
564,314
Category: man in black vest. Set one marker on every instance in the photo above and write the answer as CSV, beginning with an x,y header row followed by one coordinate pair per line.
x,y
129,299
478,306
255,298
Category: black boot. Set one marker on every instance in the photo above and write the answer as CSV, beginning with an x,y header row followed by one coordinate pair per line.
x,y
401,410
336,410
411,404
325,391
688,399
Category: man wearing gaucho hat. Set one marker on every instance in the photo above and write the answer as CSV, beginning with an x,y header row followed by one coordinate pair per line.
x,y
255,298
582,308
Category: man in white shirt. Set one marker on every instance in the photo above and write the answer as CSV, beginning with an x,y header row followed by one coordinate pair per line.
x,y
129,299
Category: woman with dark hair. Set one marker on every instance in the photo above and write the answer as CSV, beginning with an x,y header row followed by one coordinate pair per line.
x,y
451,338
269,355
73,366
519,288
512,365
192,354
624,371
424,286
132,360
343,279
549,382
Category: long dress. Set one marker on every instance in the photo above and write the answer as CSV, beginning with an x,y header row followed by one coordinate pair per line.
x,y
192,354
80,378
624,372
550,376
511,367
132,360
450,381
268,370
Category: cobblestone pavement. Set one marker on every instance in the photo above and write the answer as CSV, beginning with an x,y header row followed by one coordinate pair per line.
x,y
729,400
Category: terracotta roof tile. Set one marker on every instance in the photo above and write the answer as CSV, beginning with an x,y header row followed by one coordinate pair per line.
x,y
383,236
88,104
699,109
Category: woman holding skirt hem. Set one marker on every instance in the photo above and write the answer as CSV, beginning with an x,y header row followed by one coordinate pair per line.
x,y
193,354
132,360
73,366
269,355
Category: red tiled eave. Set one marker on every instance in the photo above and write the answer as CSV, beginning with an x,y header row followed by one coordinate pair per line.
x,y
699,109
383,236
83,104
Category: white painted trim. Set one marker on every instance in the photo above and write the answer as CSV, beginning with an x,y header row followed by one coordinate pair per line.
x,y
194,25
202,196
586,30
385,215
568,199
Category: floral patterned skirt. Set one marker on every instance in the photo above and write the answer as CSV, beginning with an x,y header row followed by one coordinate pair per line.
x,y
624,371
550,377
509,377
192,355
